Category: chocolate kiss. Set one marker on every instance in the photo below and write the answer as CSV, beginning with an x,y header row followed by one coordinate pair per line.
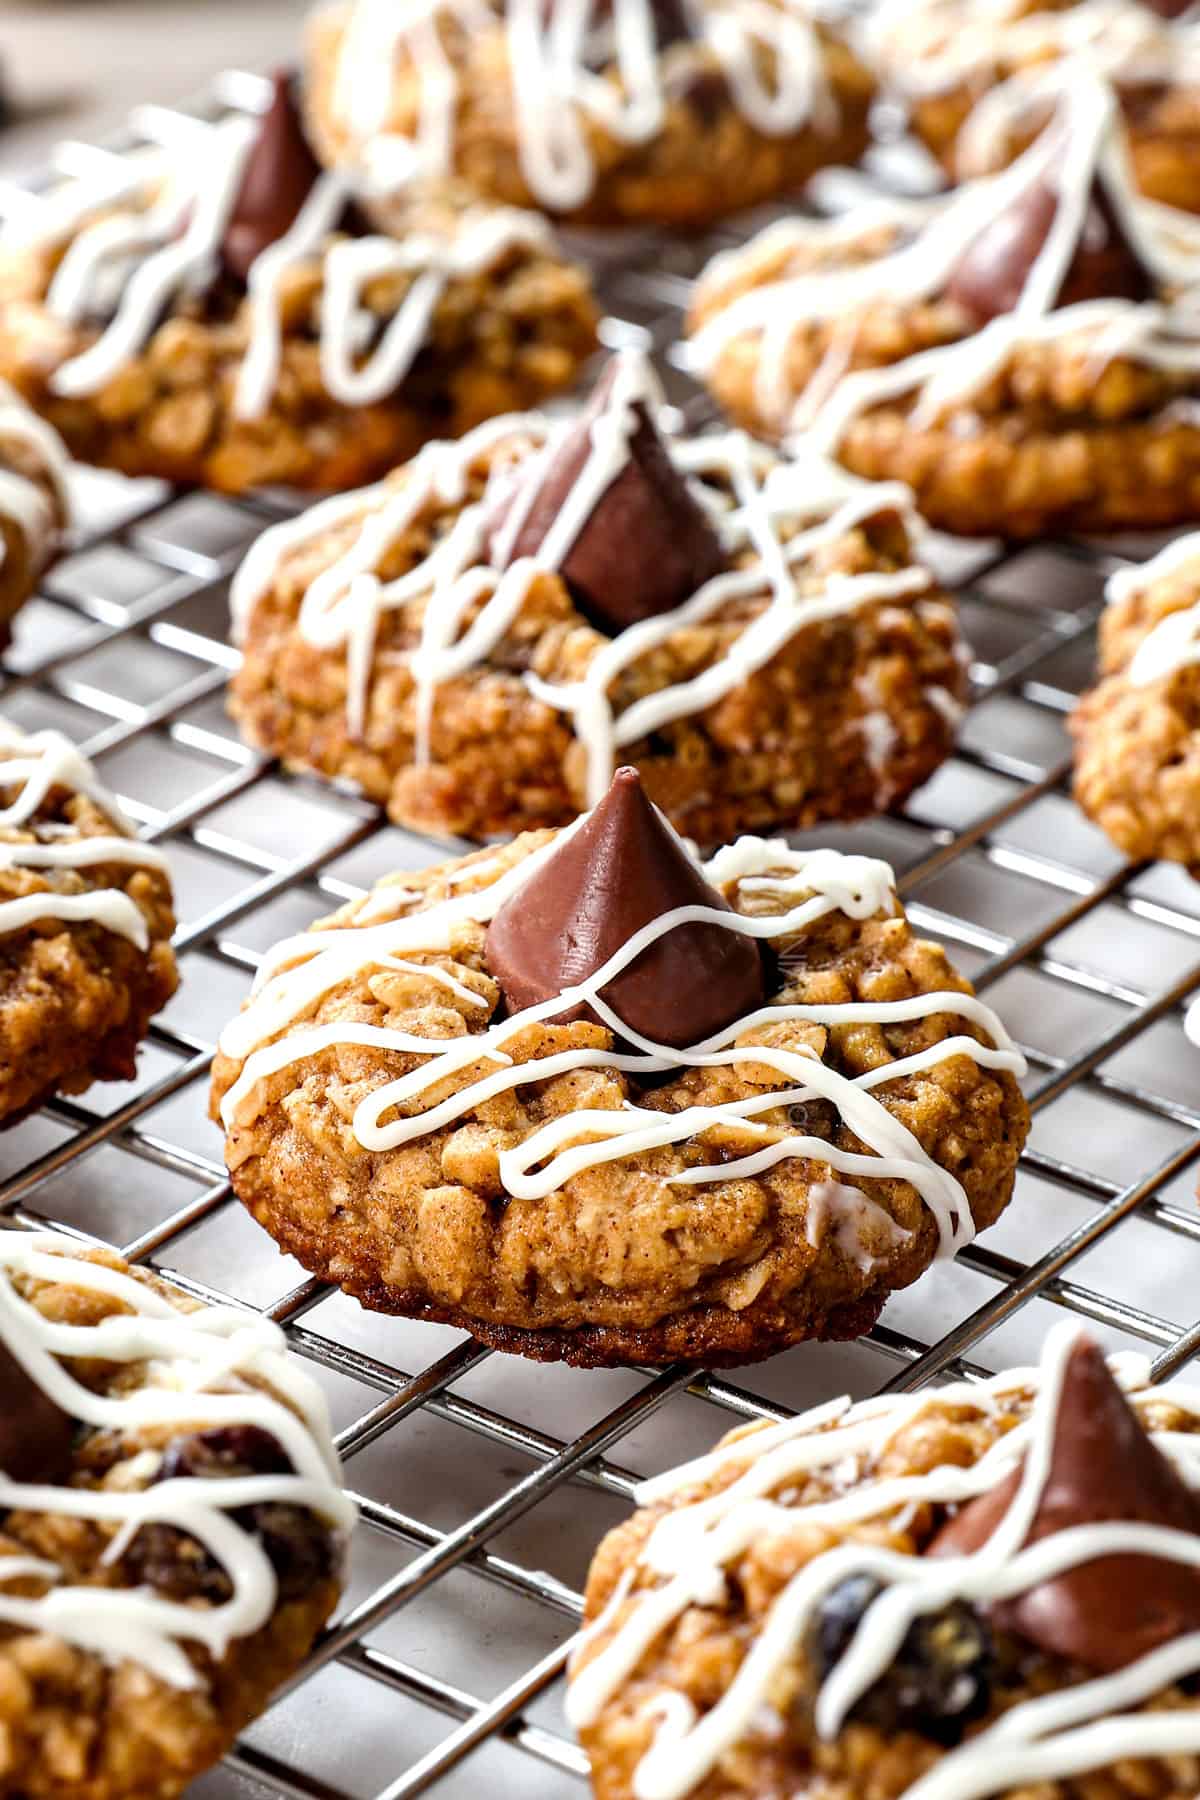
x,y
1169,9
279,173
621,868
647,544
35,1434
1108,1612
992,273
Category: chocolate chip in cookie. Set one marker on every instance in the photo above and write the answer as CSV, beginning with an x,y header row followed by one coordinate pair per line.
x,y
623,868
35,1434
991,276
1107,1612
277,179
611,510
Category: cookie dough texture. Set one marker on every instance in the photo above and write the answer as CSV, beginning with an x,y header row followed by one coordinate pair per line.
x,y
849,716
75,998
1049,443
700,1653
75,1728
500,339
615,1265
1137,745
705,162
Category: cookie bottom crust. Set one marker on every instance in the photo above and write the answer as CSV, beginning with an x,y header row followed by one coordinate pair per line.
x,y
713,1337
1012,476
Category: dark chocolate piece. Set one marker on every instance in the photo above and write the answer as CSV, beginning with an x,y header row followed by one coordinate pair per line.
x,y
1169,9
646,546
35,1433
990,276
1108,1612
623,867
278,177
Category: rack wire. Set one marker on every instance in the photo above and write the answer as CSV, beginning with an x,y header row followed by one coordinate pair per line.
x,y
482,1495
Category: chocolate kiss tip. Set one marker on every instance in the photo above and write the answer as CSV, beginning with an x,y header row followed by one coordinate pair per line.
x,y
1109,1612
647,544
35,1433
991,274
276,181
620,869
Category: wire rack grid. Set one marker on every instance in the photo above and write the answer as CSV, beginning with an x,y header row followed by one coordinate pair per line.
x,y
484,1482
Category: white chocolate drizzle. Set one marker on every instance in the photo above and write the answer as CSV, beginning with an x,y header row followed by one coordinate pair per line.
x,y
164,242
1079,1728
35,765
213,1368
303,969
782,511
1174,643
1081,145
557,97
34,508
928,47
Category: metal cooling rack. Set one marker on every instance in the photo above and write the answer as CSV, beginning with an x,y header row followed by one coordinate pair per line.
x,y
484,1481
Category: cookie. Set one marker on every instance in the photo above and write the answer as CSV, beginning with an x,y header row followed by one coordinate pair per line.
x,y
34,508
978,80
600,114
1023,354
212,308
172,1524
1137,732
85,927
987,1588
479,639
673,1109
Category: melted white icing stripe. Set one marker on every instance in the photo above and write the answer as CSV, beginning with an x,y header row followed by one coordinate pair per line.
x,y
37,764
22,499
211,1368
558,98
1081,1728
785,512
133,263
929,46
1081,146
1174,643
304,969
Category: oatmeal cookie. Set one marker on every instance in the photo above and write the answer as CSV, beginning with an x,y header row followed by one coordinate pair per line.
x,y
34,509
216,311
171,1537
986,1589
591,1099
649,112
1024,354
477,640
1137,732
85,927
978,80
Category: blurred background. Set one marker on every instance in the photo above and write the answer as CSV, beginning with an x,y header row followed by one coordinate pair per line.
x,y
73,68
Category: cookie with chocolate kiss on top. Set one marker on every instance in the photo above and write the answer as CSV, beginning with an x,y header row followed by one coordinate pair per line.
x,y
977,86
229,318
1023,354
754,633
989,1588
594,1100
149,1605
672,113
